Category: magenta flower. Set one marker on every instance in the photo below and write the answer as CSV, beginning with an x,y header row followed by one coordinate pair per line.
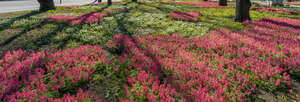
x,y
73,20
219,66
189,16
30,70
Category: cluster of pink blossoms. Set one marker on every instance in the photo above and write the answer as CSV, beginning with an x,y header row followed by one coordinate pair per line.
x,y
73,20
189,16
220,66
30,76
276,10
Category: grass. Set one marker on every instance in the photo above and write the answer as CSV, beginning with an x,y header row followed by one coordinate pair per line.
x,y
29,31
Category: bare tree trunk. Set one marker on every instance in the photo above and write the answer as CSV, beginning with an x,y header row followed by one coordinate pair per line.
x,y
223,2
109,2
242,10
46,5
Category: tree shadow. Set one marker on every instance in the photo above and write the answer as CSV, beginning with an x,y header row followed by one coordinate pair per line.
x,y
217,25
65,40
9,40
269,40
9,23
125,48
281,23
160,8
43,40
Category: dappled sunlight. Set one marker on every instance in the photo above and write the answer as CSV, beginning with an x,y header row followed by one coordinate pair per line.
x,y
168,51
219,66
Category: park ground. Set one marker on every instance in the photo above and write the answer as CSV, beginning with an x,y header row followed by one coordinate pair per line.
x,y
149,56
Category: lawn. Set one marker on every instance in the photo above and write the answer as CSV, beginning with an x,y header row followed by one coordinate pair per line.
x,y
140,53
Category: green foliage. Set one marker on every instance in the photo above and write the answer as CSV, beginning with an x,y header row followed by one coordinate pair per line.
x,y
34,33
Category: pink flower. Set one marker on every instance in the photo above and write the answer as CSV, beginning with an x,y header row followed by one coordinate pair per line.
x,y
190,16
278,82
73,20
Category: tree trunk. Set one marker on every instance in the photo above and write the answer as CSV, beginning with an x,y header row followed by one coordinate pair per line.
x,y
242,10
109,2
277,2
46,5
223,2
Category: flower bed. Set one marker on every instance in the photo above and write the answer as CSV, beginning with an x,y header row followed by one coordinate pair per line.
x,y
70,6
210,4
294,3
72,20
33,76
220,66
189,16
276,10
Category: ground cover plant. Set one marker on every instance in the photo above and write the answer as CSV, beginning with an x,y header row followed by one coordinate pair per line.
x,y
205,4
139,52
189,16
71,6
72,20
43,76
220,66
277,10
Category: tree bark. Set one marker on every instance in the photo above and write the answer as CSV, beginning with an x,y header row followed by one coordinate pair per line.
x,y
242,10
223,2
46,5
109,2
